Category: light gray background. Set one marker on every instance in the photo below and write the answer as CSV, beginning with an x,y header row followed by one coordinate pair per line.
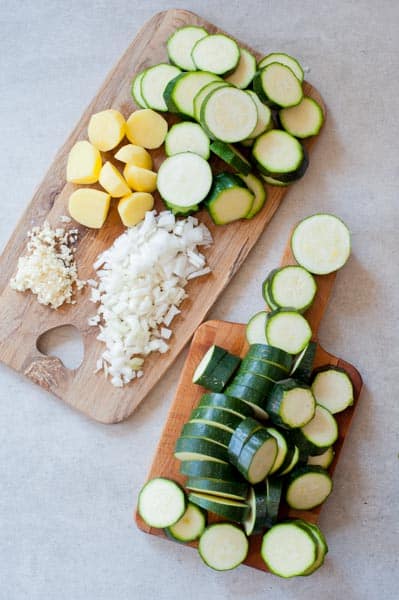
x,y
68,485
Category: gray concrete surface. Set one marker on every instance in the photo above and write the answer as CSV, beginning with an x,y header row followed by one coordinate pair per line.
x,y
68,485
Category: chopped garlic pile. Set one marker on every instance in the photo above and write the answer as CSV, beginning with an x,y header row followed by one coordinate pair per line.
x,y
142,277
48,269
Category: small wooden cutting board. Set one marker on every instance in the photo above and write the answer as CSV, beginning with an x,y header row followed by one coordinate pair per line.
x,y
231,336
23,320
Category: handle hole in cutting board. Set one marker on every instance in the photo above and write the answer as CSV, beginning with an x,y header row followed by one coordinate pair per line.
x,y
65,342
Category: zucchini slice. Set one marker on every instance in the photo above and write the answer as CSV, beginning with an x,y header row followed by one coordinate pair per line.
x,y
282,449
256,329
257,456
291,404
256,186
161,502
207,431
154,82
240,436
189,527
308,487
181,210
191,448
288,549
261,368
292,286
245,393
184,179
258,383
234,510
232,157
234,405
181,43
257,511
322,460
229,114
320,433
290,461
223,546
219,416
229,199
208,362
288,329
215,376
303,120
216,53
136,90
180,92
274,489
236,490
279,155
244,72
270,354
187,137
265,119
303,365
321,243
283,59
208,468
277,85
274,182
321,543
333,389
203,93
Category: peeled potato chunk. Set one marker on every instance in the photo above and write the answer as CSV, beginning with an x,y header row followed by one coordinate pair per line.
x,y
89,207
106,129
112,181
135,155
140,180
146,128
132,208
84,163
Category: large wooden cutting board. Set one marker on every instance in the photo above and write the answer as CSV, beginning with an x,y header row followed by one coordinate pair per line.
x,y
23,320
232,337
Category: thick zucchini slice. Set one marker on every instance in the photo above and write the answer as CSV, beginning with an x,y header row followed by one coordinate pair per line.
x,y
203,93
282,449
256,329
234,405
161,502
288,329
256,186
274,489
220,416
270,354
303,365
293,287
333,389
223,546
321,243
303,120
240,436
257,456
265,118
236,490
322,460
154,82
184,179
277,85
283,59
181,43
245,71
245,393
322,547
204,468
279,155
211,358
234,510
229,199
216,53
288,465
255,382
216,378
190,448
232,157
136,90
229,114
263,369
207,432
257,518
291,404
320,433
187,137
179,94
308,487
288,549
189,527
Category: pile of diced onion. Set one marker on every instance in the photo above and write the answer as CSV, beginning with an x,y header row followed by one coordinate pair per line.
x,y
141,281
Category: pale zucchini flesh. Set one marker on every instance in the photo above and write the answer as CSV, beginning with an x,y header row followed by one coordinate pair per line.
x,y
284,59
333,389
245,71
303,120
309,486
288,330
229,114
216,53
161,502
153,84
256,329
288,550
187,137
184,179
181,43
277,85
190,526
223,546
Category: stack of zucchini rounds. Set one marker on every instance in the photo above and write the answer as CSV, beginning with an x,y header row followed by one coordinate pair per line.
x,y
251,115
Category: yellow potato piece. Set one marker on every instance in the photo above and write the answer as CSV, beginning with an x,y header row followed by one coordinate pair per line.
x,y
146,128
89,207
84,163
112,181
106,129
135,155
132,208
140,180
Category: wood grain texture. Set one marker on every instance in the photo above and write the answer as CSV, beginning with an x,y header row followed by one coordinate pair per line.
x,y
232,337
23,320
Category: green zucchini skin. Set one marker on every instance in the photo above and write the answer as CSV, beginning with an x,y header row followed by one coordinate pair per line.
x,y
245,393
203,430
288,459
230,155
168,95
209,469
300,472
221,374
249,450
276,399
255,382
183,211
234,405
200,445
213,356
274,490
236,490
218,415
262,369
234,512
223,182
270,354
240,436
289,177
303,367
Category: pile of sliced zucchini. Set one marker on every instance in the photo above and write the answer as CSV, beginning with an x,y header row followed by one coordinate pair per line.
x,y
234,100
